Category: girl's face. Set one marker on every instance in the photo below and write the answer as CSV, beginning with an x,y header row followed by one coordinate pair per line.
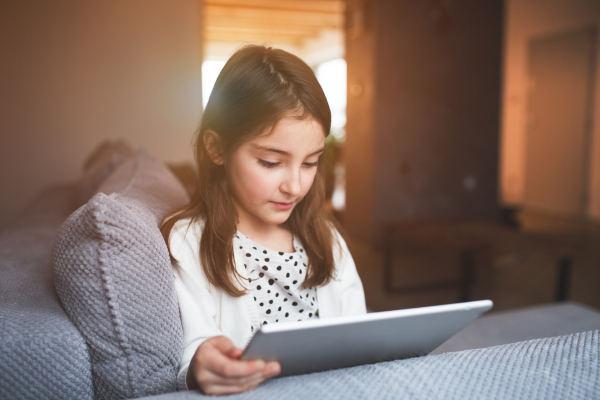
x,y
270,174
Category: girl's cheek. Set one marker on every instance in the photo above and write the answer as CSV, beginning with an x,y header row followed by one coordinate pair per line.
x,y
262,182
307,181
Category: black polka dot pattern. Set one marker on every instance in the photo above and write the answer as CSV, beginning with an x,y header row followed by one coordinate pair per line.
x,y
267,269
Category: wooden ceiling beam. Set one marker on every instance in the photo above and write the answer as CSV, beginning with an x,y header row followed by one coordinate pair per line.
x,y
288,22
324,6
266,30
223,23
253,37
324,20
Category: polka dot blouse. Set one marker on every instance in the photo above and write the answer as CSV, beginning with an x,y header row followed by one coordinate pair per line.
x,y
274,279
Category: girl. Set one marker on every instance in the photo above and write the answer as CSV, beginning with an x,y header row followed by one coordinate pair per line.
x,y
255,245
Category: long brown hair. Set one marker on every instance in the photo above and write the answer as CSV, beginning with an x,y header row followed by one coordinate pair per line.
x,y
257,87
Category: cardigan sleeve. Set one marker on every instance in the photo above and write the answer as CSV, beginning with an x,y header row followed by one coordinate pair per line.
x,y
197,307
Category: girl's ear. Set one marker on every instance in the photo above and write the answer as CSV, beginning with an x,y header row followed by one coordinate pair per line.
x,y
214,146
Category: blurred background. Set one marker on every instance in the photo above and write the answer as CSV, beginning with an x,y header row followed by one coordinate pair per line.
x,y
464,157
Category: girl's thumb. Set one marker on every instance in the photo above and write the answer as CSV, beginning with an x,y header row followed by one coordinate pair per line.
x,y
235,352
228,348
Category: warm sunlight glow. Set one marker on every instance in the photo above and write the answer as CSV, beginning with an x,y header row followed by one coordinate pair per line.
x,y
210,72
332,77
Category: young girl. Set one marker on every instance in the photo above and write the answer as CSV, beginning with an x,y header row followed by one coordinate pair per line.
x,y
255,246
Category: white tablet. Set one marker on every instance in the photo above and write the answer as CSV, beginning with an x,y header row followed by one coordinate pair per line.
x,y
318,345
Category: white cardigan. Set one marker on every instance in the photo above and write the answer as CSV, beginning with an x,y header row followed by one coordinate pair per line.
x,y
207,311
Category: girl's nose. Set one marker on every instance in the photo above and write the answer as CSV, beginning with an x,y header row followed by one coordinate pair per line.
x,y
291,184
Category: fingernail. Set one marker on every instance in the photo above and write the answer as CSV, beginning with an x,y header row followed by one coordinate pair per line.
x,y
273,370
260,364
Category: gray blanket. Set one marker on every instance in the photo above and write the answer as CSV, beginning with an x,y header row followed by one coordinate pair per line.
x,y
564,367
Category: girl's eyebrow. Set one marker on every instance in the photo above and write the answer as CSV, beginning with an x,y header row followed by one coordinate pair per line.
x,y
285,153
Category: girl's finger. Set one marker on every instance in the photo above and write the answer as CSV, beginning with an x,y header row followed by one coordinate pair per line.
x,y
225,346
253,380
216,376
210,380
272,369
231,368
218,390
235,352
218,360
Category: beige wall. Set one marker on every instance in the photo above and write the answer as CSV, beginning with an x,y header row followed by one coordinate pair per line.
x,y
527,19
76,72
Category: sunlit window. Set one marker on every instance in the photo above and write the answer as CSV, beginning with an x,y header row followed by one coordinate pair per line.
x,y
332,77
210,72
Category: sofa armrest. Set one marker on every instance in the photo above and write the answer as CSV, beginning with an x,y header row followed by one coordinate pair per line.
x,y
42,354
504,327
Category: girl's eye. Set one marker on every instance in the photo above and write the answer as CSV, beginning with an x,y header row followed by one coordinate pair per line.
x,y
267,164
311,164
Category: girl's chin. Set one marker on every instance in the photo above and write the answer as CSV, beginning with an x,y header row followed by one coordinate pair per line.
x,y
278,217
281,218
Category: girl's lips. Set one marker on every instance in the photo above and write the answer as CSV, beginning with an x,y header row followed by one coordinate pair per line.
x,y
283,206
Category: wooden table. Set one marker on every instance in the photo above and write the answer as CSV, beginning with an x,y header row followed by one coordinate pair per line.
x,y
468,241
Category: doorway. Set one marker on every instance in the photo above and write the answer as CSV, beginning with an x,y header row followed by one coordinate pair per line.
x,y
561,70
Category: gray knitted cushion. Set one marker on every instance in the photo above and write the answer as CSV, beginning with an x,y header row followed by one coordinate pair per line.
x,y
113,275
99,165
564,367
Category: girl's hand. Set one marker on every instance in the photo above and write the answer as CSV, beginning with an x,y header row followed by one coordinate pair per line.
x,y
216,369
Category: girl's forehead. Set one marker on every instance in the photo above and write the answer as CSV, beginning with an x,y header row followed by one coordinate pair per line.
x,y
293,132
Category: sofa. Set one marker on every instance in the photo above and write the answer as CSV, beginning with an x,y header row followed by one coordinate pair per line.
x,y
88,311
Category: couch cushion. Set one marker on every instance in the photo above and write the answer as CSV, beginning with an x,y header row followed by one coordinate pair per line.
x,y
99,165
113,275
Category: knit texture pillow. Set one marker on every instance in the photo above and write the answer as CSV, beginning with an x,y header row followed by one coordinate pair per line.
x,y
99,165
113,275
